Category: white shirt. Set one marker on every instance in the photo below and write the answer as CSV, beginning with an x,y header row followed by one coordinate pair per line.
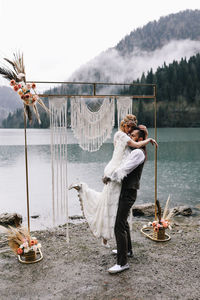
x,y
133,160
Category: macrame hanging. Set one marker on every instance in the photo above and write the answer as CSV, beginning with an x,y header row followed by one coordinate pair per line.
x,y
124,107
58,125
92,127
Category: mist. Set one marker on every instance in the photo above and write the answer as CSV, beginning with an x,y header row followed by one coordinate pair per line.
x,y
110,66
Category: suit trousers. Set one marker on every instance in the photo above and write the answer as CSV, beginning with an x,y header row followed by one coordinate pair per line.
x,y
122,230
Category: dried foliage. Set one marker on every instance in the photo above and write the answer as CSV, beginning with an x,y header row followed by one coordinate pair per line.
x,y
158,210
16,237
15,73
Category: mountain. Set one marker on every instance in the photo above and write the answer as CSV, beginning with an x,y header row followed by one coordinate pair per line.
x,y
180,26
170,38
9,102
175,37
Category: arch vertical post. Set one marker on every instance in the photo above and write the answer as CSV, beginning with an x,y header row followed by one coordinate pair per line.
x,y
26,166
156,150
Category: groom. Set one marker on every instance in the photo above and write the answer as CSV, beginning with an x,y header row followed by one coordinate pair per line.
x,y
129,174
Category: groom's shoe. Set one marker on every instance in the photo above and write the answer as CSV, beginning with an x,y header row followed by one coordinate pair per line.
x,y
129,254
117,269
76,186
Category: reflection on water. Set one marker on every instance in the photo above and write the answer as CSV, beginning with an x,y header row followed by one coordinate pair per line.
x,y
178,170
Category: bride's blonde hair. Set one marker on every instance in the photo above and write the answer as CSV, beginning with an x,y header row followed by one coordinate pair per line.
x,y
128,119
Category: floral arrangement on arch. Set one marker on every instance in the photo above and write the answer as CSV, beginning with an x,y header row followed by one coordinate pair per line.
x,y
15,73
25,91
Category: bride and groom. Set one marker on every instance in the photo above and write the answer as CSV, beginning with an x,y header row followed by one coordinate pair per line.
x,y
106,212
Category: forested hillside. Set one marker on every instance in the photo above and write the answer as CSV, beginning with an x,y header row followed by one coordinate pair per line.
x,y
178,96
9,102
165,52
180,26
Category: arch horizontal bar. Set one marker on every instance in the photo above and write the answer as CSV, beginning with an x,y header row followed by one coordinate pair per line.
x,y
98,96
92,83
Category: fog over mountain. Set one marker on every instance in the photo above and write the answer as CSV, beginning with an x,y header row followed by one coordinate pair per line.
x,y
110,66
170,38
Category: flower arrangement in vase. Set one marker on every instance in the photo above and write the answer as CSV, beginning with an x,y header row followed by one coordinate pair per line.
x,y
159,225
22,244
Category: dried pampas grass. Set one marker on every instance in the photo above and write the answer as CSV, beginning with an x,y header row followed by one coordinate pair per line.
x,y
14,68
16,237
166,209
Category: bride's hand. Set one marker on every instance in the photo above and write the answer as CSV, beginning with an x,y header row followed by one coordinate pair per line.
x,y
153,142
144,128
106,180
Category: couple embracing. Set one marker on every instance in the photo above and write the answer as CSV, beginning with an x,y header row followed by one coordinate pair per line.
x,y
107,212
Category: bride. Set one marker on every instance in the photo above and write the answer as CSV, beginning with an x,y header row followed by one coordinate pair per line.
x,y
100,208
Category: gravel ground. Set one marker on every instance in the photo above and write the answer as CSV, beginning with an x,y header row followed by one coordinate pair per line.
x,y
78,270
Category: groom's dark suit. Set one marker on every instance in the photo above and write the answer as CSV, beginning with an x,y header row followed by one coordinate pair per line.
x,y
130,185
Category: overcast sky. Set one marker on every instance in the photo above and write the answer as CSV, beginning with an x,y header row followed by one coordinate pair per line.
x,y
57,37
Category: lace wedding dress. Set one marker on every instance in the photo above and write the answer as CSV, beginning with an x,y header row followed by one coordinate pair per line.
x,y
100,208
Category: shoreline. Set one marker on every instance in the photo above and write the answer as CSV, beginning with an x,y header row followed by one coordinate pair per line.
x,y
78,270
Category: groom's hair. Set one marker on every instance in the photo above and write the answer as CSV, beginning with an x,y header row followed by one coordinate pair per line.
x,y
141,133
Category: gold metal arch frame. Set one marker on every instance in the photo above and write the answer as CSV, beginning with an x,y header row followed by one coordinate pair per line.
x,y
97,95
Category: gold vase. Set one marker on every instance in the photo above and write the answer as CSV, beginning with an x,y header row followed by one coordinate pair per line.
x,y
30,256
160,234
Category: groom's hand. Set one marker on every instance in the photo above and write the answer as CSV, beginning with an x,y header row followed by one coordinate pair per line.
x,y
106,180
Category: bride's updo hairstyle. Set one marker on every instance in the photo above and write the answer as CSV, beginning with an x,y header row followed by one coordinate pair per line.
x,y
130,120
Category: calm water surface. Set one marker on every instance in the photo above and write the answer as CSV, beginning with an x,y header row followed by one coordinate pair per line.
x,y
178,170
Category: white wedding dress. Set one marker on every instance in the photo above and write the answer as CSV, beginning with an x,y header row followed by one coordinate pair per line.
x,y
100,208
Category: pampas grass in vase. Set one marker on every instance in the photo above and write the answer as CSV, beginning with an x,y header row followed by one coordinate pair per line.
x,y
20,241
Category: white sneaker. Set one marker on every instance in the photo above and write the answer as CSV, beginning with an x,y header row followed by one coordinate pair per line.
x,y
117,268
76,186
129,254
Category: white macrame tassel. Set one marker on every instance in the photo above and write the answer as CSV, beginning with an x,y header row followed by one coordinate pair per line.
x,y
58,125
92,128
124,107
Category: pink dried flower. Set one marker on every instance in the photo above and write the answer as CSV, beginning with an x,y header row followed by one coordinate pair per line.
x,y
154,223
19,251
16,88
12,82
27,96
28,86
25,244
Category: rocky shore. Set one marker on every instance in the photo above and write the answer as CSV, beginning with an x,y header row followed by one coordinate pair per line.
x,y
78,270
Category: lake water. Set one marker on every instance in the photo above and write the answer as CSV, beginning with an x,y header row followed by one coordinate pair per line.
x,y
178,171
